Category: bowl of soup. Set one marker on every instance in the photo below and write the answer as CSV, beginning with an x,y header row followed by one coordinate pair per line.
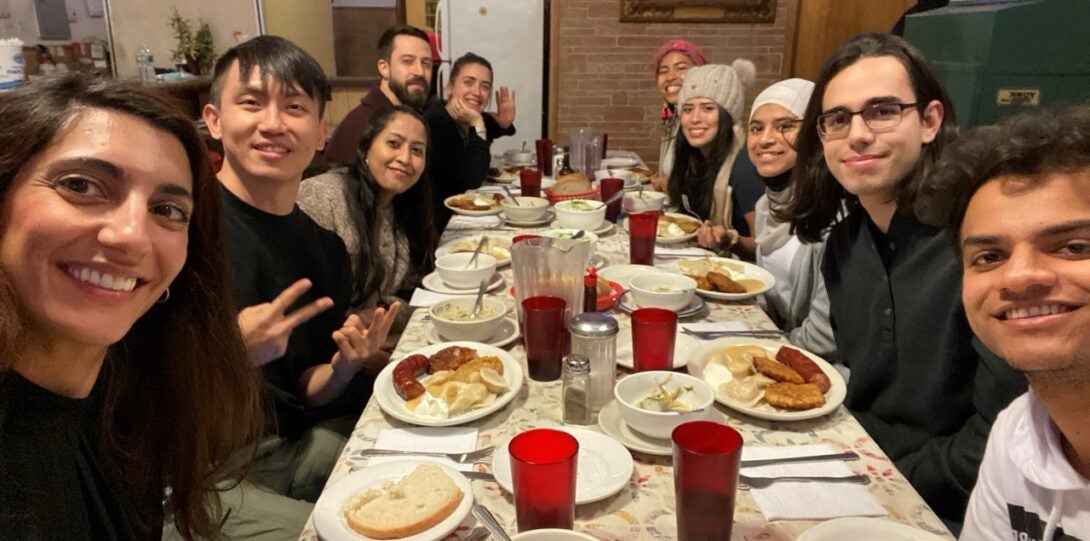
x,y
528,209
453,318
655,402
456,272
643,201
662,290
580,214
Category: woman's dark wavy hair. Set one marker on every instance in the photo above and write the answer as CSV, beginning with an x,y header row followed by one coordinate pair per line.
x,y
817,197
1028,146
412,212
693,175
178,396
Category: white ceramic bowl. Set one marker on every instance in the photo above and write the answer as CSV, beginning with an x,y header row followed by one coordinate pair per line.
x,y
659,424
567,234
552,534
521,157
529,209
663,290
476,330
649,200
570,215
452,271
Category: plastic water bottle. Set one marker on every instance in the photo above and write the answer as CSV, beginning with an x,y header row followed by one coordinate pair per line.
x,y
145,65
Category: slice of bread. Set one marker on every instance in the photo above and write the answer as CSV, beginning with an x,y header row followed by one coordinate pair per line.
x,y
417,502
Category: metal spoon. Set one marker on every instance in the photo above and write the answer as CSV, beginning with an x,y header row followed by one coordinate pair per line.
x,y
511,196
578,234
477,252
480,299
490,522
613,198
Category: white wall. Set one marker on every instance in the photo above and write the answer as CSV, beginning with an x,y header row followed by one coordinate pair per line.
x,y
147,22
23,24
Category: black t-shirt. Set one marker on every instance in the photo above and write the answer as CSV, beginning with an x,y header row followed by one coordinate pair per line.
x,y
268,253
53,483
746,188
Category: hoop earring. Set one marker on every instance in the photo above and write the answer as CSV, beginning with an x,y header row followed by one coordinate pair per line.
x,y
165,297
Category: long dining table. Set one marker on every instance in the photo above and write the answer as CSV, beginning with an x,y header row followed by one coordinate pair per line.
x,y
645,508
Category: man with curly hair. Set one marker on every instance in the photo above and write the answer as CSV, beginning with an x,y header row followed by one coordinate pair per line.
x,y
1017,198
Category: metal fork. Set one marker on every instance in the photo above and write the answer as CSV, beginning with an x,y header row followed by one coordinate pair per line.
x,y
763,482
760,333
480,455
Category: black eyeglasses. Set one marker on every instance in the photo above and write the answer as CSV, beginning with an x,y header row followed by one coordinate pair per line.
x,y
877,117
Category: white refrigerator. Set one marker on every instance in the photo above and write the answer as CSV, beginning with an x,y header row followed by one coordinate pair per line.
x,y
513,36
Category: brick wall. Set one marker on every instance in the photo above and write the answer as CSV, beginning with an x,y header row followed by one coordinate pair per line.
x,y
605,79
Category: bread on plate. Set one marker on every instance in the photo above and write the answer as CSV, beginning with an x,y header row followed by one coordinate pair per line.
x,y
407,507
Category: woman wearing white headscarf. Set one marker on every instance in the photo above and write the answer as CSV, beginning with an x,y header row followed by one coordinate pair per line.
x,y
798,302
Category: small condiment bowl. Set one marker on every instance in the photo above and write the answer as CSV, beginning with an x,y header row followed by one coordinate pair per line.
x,y
452,269
568,214
662,290
474,330
529,209
631,389
647,201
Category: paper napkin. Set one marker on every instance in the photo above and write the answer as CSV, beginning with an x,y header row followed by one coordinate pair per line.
x,y
808,500
423,298
473,222
673,253
427,439
714,326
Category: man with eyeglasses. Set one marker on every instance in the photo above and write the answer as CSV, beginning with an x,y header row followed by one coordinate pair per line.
x,y
922,386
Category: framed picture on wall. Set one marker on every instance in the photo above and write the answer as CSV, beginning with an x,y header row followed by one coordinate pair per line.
x,y
95,9
698,11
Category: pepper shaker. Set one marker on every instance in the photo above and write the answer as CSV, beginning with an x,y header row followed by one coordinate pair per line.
x,y
576,391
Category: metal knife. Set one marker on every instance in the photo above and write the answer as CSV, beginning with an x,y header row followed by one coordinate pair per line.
x,y
848,455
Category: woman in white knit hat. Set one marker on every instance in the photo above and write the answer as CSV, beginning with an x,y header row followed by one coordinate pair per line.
x,y
798,302
712,102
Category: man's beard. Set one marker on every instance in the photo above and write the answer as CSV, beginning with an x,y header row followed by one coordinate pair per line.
x,y
416,99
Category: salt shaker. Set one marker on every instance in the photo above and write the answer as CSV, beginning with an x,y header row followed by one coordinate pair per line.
x,y
577,410
594,335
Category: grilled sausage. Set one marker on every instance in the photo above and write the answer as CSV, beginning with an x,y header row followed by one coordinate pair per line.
x,y
809,370
405,374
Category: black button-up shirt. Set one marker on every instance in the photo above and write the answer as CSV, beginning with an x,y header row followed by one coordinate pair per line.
x,y
921,385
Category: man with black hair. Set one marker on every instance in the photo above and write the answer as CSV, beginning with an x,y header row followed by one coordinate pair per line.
x,y
292,281
405,65
921,386
1016,197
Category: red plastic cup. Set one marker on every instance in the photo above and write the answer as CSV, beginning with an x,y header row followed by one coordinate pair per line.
x,y
653,333
643,227
706,459
544,148
544,335
530,182
517,238
610,186
543,463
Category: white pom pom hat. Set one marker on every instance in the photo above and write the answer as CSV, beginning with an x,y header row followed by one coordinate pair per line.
x,y
721,83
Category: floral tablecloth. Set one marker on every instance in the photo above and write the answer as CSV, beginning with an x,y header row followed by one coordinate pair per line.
x,y
645,508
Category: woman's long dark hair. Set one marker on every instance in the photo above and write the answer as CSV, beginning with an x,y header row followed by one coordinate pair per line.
x,y
817,197
412,211
693,175
177,395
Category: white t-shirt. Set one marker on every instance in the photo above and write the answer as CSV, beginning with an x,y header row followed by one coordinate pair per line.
x,y
1027,490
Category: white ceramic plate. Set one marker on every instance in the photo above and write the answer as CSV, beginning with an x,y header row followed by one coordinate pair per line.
x,y
613,425
507,333
618,162
434,283
394,405
624,272
671,240
603,469
546,182
627,305
738,270
683,346
605,227
865,529
329,520
762,410
548,217
495,242
494,210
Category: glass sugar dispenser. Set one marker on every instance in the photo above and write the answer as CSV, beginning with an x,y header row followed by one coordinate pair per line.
x,y
594,334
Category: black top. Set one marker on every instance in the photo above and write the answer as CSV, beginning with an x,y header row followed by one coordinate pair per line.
x,y
268,253
746,189
921,385
457,162
345,141
53,482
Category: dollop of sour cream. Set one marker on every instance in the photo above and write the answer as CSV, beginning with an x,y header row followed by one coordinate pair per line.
x,y
431,407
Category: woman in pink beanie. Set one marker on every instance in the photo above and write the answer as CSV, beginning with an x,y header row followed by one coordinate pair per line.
x,y
672,60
